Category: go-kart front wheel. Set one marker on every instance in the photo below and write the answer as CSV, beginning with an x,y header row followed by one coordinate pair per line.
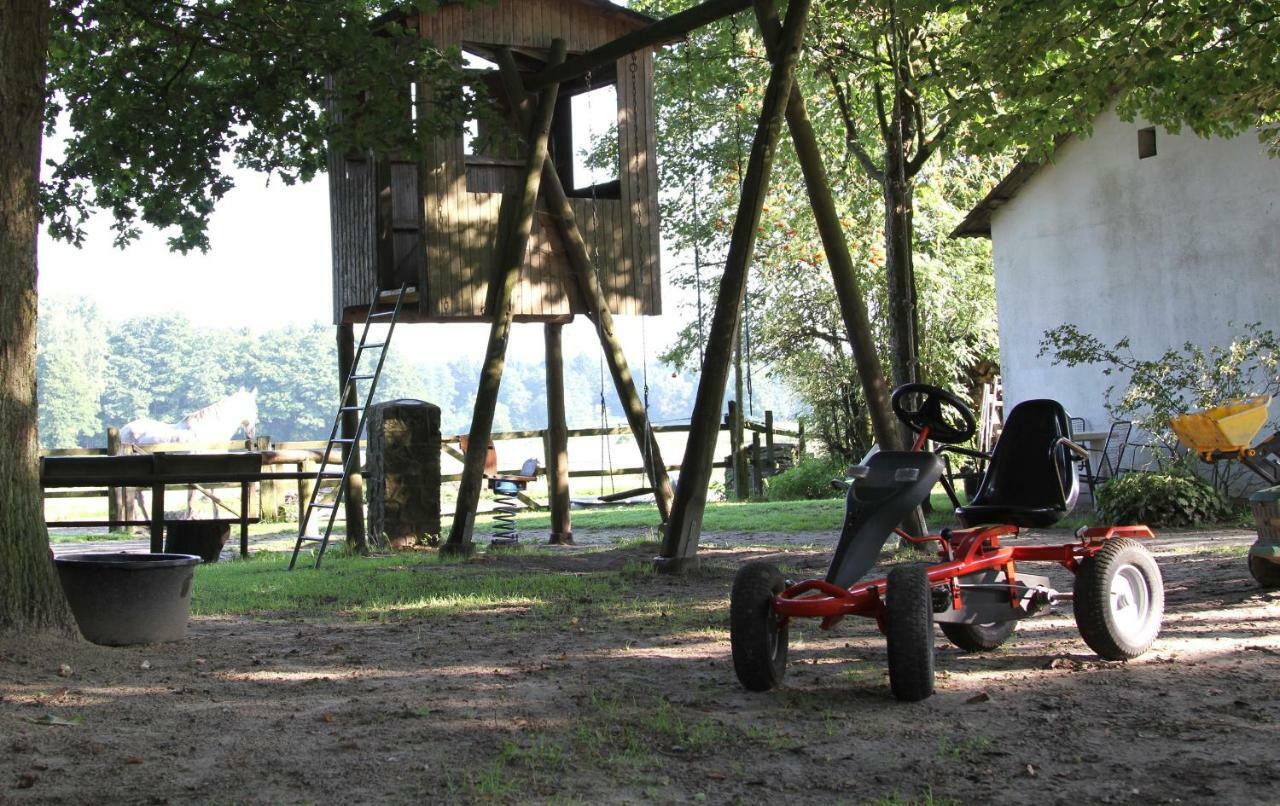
x,y
1119,600
757,635
908,631
979,637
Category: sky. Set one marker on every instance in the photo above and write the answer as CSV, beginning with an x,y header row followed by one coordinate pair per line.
x,y
269,265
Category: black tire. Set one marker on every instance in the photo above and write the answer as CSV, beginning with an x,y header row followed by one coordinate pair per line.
x,y
979,637
758,638
1265,572
1119,600
908,628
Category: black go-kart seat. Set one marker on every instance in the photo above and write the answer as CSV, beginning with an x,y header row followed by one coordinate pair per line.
x,y
1031,478
884,491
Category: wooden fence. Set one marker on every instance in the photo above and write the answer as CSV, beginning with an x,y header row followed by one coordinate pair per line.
x,y
304,455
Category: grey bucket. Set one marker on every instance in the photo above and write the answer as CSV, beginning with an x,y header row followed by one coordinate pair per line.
x,y
123,599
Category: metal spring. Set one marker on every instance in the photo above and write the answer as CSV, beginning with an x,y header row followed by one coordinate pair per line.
x,y
504,516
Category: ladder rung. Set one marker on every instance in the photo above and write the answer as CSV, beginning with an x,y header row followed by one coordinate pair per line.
x,y
360,377
352,408
382,314
374,344
343,440
329,474
306,539
323,506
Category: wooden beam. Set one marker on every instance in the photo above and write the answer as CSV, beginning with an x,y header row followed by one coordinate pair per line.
x,y
664,30
680,541
852,298
510,254
587,281
557,439
353,491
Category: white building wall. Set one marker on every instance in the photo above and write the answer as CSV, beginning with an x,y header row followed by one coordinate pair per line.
x,y
1163,250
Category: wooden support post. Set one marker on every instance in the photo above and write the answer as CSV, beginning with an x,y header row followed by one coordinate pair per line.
x,y
557,439
800,439
853,306
757,466
680,541
584,275
770,461
157,518
115,495
513,240
244,519
353,494
668,29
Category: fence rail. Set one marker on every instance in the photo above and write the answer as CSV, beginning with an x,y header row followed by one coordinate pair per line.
x,y
305,454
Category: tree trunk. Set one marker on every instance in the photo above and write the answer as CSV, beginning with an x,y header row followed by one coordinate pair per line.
x,y
30,597
900,269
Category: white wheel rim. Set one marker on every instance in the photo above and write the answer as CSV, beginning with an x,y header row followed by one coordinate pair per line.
x,y
1130,600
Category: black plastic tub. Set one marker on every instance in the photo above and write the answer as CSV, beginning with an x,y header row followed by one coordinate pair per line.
x,y
123,599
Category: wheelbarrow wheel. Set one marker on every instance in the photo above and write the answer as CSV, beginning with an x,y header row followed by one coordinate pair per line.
x,y
908,630
1119,600
979,637
756,633
1264,571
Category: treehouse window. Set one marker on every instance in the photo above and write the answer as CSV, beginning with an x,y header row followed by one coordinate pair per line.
x,y
585,143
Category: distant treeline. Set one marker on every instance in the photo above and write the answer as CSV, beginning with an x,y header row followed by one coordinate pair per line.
x,y
94,373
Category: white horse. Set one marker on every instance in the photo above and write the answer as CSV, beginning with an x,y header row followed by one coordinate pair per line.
x,y
218,422
215,423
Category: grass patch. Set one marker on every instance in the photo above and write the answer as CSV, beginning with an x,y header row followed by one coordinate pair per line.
x,y
720,516
392,587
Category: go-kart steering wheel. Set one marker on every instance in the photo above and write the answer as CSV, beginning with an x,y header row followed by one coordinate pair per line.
x,y
922,406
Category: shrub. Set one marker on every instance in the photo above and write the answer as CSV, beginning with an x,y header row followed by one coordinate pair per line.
x,y
809,479
1161,499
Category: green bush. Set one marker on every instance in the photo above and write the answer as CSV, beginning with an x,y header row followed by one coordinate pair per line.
x,y
809,479
1161,499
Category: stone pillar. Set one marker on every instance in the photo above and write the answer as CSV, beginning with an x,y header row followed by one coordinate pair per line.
x,y
403,478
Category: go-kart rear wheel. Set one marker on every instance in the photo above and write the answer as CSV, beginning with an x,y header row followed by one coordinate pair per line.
x,y
1265,572
757,635
1119,600
979,637
908,628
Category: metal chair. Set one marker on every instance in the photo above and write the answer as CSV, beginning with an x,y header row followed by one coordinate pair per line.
x,y
1112,456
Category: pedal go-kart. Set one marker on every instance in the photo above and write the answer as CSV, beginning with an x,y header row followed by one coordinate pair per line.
x,y
975,592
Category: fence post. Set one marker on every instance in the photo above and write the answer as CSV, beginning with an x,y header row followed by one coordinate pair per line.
x,y
269,498
757,466
770,463
115,495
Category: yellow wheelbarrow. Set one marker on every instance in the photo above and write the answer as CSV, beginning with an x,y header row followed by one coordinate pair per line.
x,y
1227,432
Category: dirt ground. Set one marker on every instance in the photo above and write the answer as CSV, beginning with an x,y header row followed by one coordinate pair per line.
x,y
579,702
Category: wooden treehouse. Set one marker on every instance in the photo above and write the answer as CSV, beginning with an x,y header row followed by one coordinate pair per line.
x,y
563,246
507,220
435,224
